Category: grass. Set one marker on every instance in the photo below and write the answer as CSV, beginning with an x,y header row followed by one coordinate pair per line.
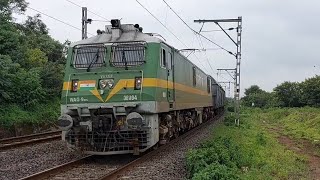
x,y
299,123
246,152
13,115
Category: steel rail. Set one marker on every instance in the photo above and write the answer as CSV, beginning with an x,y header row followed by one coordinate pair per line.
x,y
29,139
57,169
119,171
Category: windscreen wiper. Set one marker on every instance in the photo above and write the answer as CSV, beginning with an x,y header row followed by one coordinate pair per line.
x,y
93,60
125,60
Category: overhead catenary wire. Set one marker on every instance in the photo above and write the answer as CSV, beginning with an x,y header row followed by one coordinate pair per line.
x,y
196,31
88,10
218,73
168,30
161,23
56,19
201,45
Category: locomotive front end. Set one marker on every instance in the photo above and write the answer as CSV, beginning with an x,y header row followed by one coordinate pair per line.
x,y
107,130
105,108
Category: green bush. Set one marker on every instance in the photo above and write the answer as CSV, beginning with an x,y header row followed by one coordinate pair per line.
x,y
230,109
14,115
217,159
229,120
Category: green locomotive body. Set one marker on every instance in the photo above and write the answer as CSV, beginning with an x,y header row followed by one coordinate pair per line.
x,y
126,91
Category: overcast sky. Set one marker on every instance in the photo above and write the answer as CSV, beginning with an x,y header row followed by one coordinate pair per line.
x,y
279,36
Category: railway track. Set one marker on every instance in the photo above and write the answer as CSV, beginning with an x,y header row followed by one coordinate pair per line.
x,y
110,167
14,142
119,171
87,167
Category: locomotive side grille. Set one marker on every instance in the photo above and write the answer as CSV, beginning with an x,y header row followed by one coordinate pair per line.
x,y
85,55
111,141
128,54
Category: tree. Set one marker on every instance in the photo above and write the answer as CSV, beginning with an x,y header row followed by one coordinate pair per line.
x,y
52,79
29,45
7,7
26,89
289,94
262,99
36,35
255,96
35,58
11,42
311,91
35,25
254,89
7,73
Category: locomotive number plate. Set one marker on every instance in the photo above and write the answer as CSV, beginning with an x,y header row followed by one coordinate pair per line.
x,y
130,97
106,76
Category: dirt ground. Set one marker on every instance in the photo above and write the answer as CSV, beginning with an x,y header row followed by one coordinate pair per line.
x,y
305,148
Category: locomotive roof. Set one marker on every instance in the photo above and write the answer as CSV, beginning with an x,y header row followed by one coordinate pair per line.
x,y
128,33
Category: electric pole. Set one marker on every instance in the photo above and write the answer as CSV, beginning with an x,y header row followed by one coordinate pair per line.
x,y
85,22
237,42
228,88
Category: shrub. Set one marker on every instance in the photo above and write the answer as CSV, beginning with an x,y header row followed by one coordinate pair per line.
x,y
14,115
229,120
216,159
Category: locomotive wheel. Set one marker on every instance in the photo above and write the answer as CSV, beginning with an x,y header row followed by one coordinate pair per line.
x,y
176,132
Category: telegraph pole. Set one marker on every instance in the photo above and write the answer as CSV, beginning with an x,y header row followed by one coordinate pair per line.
x,y
237,42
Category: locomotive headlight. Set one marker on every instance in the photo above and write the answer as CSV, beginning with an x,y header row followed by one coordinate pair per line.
x,y
137,83
103,83
74,85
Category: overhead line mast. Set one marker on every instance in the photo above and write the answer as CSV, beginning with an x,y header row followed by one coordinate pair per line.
x,y
237,42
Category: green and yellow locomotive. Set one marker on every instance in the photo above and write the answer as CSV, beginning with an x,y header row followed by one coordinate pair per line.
x,y
126,91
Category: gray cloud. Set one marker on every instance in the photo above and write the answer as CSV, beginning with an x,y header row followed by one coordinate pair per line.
x,y
279,37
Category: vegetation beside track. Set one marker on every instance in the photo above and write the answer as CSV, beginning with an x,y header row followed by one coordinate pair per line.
x,y
252,151
31,69
301,123
40,114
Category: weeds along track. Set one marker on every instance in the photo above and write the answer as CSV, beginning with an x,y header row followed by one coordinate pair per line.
x,y
108,167
29,139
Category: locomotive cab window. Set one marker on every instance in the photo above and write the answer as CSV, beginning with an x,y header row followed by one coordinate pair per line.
x,y
194,77
88,56
163,58
128,54
208,85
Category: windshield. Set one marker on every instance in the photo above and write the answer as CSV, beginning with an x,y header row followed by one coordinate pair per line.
x,y
89,56
128,54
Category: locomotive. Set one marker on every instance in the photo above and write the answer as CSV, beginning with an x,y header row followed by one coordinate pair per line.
x,y
126,91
